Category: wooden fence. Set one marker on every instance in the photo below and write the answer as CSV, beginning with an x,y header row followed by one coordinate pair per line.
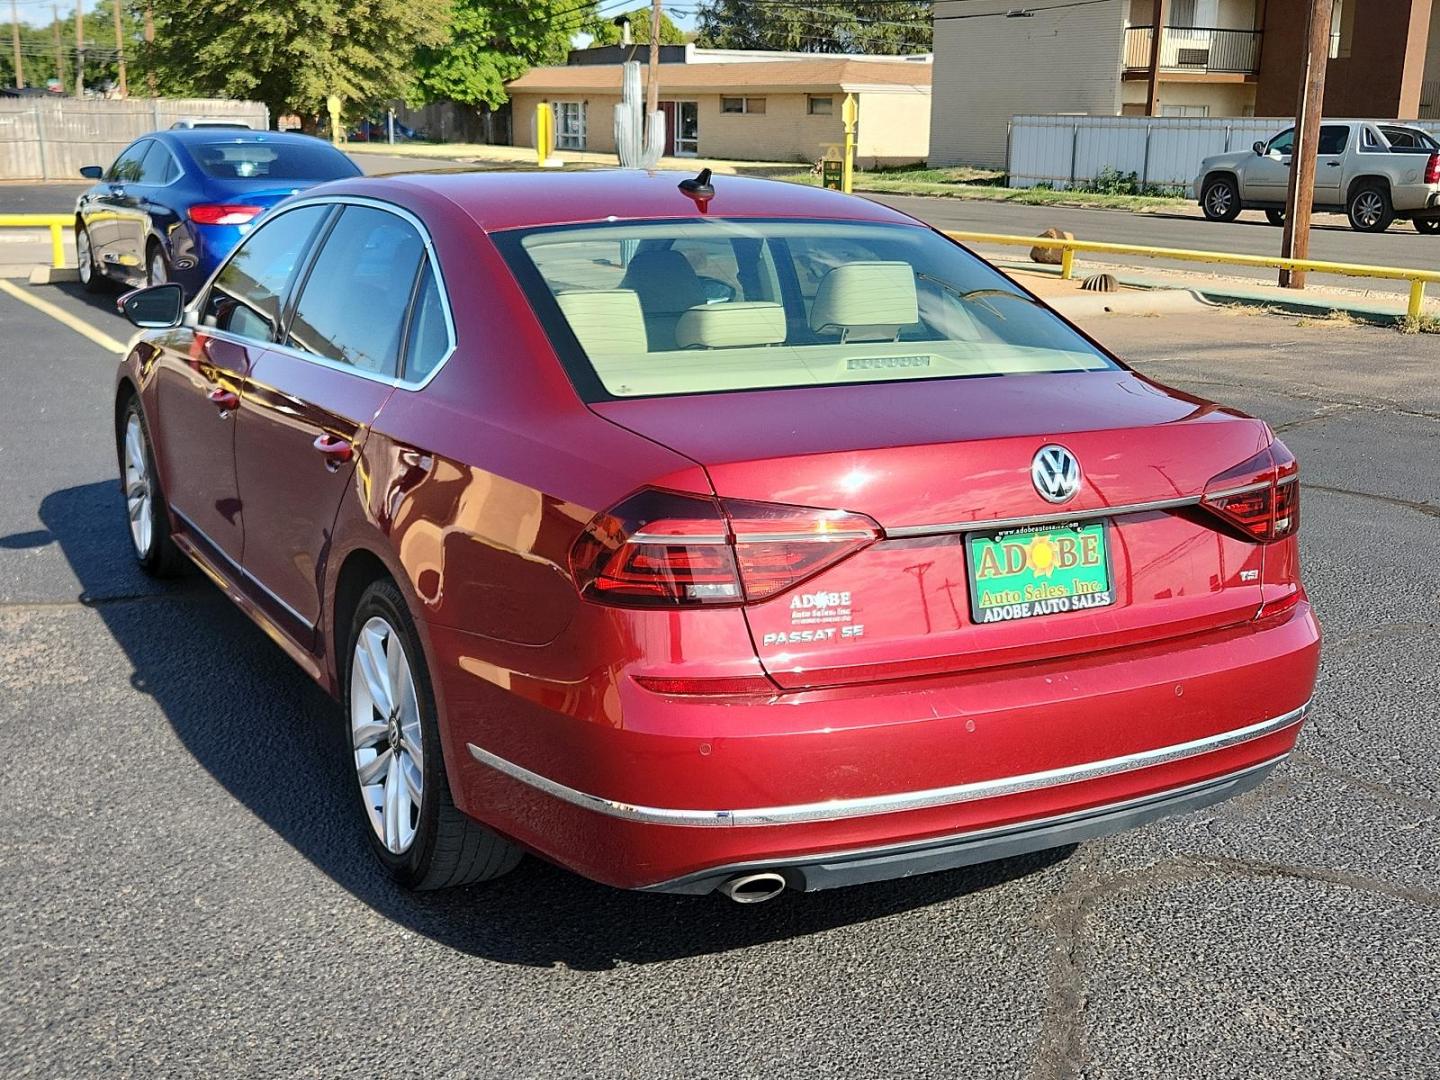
x,y
50,138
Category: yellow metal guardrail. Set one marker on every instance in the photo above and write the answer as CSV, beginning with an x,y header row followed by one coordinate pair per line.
x,y
1418,279
56,223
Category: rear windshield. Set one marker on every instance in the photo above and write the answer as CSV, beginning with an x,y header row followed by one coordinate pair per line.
x,y
660,308
273,161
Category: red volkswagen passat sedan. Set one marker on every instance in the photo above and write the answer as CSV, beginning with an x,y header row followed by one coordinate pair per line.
x,y
740,536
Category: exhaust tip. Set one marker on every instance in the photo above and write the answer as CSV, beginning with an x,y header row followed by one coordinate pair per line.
x,y
754,888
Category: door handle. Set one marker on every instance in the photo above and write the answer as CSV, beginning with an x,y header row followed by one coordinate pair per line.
x,y
335,450
227,401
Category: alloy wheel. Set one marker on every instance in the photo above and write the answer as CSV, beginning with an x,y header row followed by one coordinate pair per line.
x,y
158,275
1369,208
386,734
138,487
1219,200
83,256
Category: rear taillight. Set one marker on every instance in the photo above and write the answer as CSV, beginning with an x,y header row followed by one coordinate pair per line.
x,y
668,549
1432,169
1260,497
223,214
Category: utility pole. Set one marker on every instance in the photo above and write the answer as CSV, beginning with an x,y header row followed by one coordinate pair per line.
x,y
15,41
79,48
120,48
1301,197
652,91
1160,16
150,40
59,49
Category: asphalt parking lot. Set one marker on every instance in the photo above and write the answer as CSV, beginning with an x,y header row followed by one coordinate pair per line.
x,y
180,894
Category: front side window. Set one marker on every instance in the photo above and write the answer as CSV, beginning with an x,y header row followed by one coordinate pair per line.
x,y
657,308
129,166
1282,144
352,306
246,296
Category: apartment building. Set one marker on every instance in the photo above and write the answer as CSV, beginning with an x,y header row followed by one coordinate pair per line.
x,y
995,60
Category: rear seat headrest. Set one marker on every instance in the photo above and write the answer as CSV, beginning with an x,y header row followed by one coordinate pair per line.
x,y
731,325
605,321
866,299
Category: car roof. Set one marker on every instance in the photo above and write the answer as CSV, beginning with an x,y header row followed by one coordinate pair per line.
x,y
189,136
517,200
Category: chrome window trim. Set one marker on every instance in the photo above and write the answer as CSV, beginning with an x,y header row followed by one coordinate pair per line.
x,y
277,346
866,806
190,526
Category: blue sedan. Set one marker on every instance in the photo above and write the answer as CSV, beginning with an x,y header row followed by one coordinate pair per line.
x,y
174,203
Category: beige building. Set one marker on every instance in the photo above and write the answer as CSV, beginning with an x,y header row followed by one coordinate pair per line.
x,y
781,110
1216,58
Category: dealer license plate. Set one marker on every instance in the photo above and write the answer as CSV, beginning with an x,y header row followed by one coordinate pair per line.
x,y
1035,571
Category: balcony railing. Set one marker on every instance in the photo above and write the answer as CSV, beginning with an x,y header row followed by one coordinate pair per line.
x,y
1203,50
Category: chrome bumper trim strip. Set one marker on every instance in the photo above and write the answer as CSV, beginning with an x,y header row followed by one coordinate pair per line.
x,y
867,806
905,532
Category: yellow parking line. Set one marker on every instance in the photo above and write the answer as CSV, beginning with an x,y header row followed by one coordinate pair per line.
x,y
60,315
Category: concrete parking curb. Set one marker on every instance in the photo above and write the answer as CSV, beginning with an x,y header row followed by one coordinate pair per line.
x,y
53,275
1224,292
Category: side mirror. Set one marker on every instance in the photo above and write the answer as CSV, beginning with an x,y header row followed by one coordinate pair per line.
x,y
92,172
156,307
1259,149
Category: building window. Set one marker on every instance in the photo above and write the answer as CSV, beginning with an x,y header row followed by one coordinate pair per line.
x,y
742,104
1182,13
822,106
570,125
1184,110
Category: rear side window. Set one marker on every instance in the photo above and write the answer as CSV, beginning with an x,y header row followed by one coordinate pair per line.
x,y
1333,138
429,338
248,291
352,306
129,166
246,159
159,166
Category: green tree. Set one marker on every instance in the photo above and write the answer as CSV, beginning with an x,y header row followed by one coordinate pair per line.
x,y
292,54
605,31
494,41
819,26
37,50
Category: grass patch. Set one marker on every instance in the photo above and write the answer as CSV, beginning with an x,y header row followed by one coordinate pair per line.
x,y
1420,324
1331,318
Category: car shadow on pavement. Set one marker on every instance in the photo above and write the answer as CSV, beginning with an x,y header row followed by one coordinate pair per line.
x,y
273,740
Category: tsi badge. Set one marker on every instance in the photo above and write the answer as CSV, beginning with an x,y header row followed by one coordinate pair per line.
x,y
1055,473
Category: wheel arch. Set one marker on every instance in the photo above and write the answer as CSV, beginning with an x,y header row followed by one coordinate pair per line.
x,y
360,569
1220,174
1368,180
125,390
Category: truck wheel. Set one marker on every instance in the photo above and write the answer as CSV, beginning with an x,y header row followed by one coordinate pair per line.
x,y
1369,209
1429,226
1275,217
1221,199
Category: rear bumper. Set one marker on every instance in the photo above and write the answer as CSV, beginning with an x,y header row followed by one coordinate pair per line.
x,y
872,781
837,869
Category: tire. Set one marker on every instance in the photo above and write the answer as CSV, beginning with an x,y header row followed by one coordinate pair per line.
x,y
92,278
434,845
1220,199
1428,226
157,266
1369,209
1275,217
147,519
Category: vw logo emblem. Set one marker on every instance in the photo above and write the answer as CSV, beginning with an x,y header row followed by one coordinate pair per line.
x,y
1056,474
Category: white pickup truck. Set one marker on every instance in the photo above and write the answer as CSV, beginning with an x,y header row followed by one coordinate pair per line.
x,y
1373,171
